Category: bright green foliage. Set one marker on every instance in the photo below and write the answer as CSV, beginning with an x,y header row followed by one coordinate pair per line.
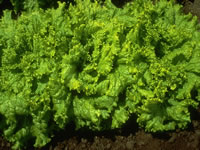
x,y
97,65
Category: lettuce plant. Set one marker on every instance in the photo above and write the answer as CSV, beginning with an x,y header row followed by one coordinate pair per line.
x,y
96,66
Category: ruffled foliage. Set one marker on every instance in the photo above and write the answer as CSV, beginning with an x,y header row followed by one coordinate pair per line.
x,y
96,66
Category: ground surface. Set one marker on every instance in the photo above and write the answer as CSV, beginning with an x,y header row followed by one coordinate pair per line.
x,y
130,137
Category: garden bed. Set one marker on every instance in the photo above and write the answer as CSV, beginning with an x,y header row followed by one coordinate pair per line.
x,y
129,137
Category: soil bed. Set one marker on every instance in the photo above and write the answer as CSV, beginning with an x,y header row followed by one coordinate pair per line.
x,y
130,137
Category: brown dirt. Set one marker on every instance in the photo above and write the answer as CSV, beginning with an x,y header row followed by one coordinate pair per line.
x,y
130,137
192,6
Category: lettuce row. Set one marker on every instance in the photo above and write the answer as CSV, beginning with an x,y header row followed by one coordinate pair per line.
x,y
96,66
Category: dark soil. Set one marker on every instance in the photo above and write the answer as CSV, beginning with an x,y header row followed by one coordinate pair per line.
x,y
130,137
